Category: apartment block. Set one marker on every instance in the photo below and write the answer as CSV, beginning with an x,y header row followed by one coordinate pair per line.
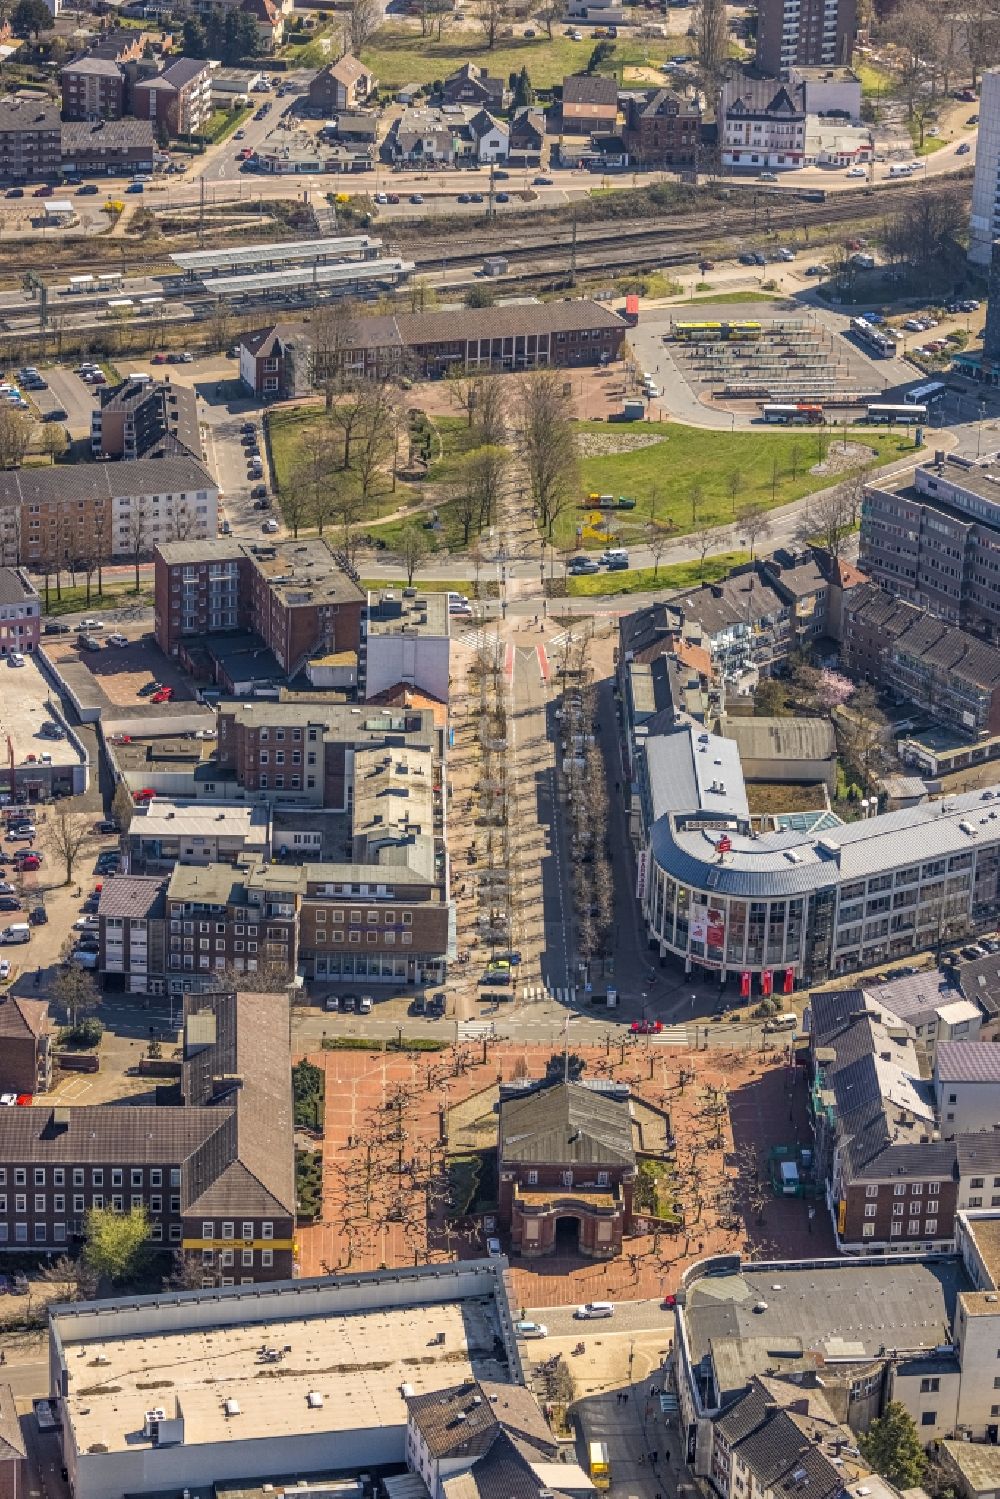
x,y
164,833
804,33
406,639
936,542
224,919
178,100
66,512
294,595
20,611
213,1168
145,419
662,128
984,218
131,933
93,88
30,140
939,668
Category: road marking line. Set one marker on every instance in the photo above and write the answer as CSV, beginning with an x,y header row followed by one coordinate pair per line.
x,y
510,656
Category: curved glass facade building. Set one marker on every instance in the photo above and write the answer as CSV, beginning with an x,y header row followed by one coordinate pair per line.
x,y
820,899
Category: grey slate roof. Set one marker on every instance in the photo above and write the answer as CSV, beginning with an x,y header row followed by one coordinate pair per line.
x,y
93,67
979,1153
136,896
12,1444
14,587
103,480
967,1062
465,1420
852,1312
566,1123
979,981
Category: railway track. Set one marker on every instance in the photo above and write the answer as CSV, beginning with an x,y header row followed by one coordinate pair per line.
x,y
727,219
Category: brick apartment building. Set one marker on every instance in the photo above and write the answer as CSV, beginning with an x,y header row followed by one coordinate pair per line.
x,y
892,1180
30,140
936,542
25,1045
662,129
20,611
567,1161
804,33
67,511
214,1169
341,86
293,595
93,88
145,419
177,101
939,668
306,753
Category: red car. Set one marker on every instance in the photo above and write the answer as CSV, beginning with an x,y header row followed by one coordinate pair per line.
x,y
43,192
163,696
32,861
158,359
646,1027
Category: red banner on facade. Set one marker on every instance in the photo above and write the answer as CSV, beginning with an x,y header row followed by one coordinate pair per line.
x,y
766,982
789,980
745,984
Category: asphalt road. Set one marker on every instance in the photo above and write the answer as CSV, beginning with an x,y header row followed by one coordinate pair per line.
x,y
630,1317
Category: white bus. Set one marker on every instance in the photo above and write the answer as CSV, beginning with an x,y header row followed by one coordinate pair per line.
x,y
888,416
925,395
804,413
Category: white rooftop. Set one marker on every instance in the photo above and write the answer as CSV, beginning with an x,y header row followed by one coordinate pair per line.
x,y
24,698
163,818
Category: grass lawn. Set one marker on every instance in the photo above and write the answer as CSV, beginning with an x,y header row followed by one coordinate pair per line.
x,y
773,469
874,80
401,55
645,579
285,429
75,599
932,142
222,123
734,296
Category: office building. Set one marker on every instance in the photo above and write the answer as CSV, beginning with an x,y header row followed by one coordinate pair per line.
x,y
213,1168
935,542
984,218
20,611
804,33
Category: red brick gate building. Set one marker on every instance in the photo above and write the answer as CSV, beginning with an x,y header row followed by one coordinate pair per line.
x,y
567,1170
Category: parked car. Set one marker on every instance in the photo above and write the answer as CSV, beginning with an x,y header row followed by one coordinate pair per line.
x,y
594,1309
163,696
531,1330
963,148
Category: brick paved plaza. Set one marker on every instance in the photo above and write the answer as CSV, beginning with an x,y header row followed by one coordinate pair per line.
x,y
383,1152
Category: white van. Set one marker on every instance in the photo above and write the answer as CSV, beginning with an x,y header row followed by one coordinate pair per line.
x,y
615,554
18,931
901,168
786,1022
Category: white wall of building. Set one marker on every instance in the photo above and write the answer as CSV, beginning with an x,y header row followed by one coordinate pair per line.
x,y
191,515
421,661
966,1107
984,219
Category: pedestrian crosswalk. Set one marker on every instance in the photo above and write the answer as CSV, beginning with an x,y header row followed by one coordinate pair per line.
x,y
535,993
564,637
480,640
475,1030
